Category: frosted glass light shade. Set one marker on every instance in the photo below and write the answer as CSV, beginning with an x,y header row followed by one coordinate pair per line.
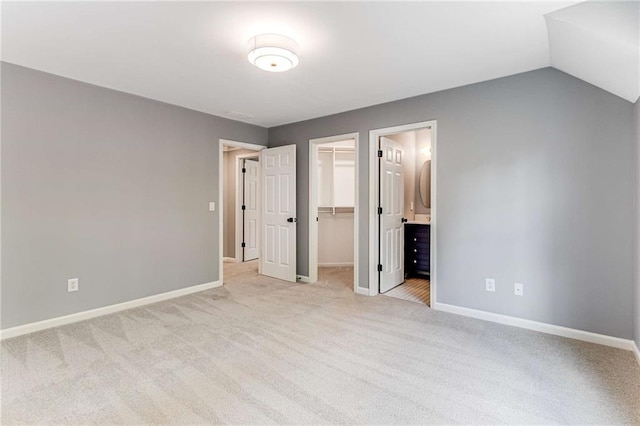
x,y
273,52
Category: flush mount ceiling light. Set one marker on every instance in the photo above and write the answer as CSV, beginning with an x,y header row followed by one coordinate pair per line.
x,y
273,52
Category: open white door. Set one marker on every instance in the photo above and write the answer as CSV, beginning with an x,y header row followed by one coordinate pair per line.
x,y
392,203
251,211
278,225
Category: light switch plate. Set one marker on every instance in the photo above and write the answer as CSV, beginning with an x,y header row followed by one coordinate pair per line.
x,y
72,285
212,206
490,284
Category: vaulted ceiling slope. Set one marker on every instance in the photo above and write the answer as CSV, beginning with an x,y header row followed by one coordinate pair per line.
x,y
599,42
352,54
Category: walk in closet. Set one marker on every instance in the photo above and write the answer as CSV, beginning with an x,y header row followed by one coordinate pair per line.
x,y
336,200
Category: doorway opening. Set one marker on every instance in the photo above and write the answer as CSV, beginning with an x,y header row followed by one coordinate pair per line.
x,y
333,211
403,220
239,206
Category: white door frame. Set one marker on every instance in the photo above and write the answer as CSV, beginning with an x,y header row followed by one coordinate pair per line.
x,y
220,206
313,206
374,135
239,159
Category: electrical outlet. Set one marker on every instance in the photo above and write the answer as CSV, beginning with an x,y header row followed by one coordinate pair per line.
x,y
212,206
490,284
518,289
72,285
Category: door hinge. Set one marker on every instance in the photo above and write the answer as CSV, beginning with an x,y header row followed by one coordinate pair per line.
x,y
244,207
379,268
244,170
379,210
380,153
244,244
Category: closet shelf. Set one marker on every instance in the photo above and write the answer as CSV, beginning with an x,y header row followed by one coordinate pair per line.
x,y
337,149
334,210
336,183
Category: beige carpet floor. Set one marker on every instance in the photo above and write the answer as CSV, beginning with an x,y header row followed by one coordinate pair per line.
x,y
262,351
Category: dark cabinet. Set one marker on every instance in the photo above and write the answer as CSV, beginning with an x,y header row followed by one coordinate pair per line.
x,y
417,246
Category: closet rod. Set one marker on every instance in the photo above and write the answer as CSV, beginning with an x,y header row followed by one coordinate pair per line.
x,y
334,210
344,209
336,149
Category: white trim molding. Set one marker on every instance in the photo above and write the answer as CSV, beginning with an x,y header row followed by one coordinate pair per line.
x,y
636,351
362,291
556,330
105,310
303,279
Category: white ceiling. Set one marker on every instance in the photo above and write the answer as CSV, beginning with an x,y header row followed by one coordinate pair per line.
x,y
599,42
352,54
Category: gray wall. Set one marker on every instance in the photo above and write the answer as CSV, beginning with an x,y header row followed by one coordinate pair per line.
x,y
535,183
636,299
107,187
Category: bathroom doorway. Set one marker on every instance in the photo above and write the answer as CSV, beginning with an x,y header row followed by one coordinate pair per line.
x,y
403,224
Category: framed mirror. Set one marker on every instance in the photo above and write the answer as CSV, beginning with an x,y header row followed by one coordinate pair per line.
x,y
425,184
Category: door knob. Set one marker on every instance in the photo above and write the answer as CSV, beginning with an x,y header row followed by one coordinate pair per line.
x,y
292,219
405,220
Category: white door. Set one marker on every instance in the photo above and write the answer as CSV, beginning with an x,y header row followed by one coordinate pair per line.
x,y
278,224
251,211
392,203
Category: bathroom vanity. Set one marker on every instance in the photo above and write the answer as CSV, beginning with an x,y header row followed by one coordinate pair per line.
x,y
417,246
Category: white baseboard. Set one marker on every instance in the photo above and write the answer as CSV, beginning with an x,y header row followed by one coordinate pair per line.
x,y
334,264
229,259
362,291
303,278
85,315
556,330
636,351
